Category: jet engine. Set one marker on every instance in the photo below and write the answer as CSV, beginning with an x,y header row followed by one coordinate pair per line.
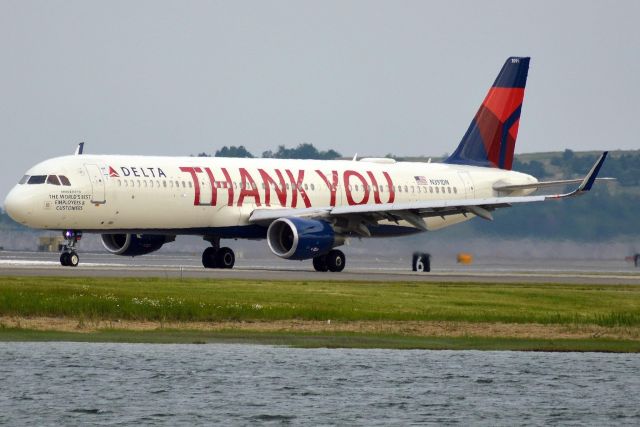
x,y
134,244
300,238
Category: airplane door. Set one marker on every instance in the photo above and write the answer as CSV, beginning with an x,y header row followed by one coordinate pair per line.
x,y
468,184
97,183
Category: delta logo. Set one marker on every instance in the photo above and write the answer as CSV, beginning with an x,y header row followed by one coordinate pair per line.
x,y
139,172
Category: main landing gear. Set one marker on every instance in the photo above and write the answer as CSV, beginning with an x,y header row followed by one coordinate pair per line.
x,y
334,260
217,257
69,257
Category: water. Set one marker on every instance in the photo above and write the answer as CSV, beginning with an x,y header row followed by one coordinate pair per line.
x,y
125,384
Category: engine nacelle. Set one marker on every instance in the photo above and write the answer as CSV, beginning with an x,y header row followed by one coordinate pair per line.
x,y
300,238
134,244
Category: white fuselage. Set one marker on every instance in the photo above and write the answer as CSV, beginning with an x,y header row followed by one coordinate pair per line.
x,y
199,195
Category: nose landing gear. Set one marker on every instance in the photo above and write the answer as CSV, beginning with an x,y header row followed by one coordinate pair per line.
x,y
69,257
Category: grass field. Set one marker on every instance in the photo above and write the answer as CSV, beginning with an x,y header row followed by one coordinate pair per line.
x,y
328,314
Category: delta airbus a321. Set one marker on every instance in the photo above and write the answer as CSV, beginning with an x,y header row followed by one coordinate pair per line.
x,y
305,209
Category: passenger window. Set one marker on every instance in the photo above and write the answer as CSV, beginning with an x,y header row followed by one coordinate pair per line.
x,y
52,179
356,187
437,190
399,188
24,179
443,191
164,184
313,187
184,184
449,190
306,187
190,185
145,183
382,188
406,189
37,179
455,190
133,184
126,184
430,189
177,184
119,183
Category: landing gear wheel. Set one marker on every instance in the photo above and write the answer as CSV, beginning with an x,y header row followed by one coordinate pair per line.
x,y
69,257
320,263
225,258
74,259
421,262
209,258
335,260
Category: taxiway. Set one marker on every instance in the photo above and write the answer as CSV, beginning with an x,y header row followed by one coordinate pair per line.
x,y
187,266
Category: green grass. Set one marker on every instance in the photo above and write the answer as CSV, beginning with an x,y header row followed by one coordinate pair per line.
x,y
325,340
208,300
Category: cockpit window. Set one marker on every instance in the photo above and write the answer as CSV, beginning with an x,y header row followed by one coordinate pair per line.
x,y
24,179
64,180
52,179
37,179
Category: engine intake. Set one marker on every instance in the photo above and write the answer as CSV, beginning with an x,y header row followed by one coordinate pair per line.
x,y
134,244
300,238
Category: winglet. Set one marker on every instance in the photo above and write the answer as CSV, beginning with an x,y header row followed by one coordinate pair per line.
x,y
588,180
79,149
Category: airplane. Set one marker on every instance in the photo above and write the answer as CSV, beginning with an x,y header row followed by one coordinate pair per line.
x,y
305,209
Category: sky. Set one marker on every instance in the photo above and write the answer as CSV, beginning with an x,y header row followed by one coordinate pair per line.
x,y
370,77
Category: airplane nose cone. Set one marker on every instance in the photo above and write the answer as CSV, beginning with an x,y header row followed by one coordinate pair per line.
x,y
17,206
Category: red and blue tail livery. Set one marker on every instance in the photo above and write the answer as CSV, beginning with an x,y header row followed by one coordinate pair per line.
x,y
491,137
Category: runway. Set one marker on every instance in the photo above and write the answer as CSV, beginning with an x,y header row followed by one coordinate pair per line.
x,y
358,269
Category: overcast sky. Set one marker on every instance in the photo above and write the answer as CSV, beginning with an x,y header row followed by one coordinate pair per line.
x,y
373,77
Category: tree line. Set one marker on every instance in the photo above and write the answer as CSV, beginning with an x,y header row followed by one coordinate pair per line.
x,y
302,151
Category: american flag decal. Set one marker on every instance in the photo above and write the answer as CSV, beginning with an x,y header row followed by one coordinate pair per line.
x,y
421,180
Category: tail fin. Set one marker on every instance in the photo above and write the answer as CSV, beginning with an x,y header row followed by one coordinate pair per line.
x,y
491,137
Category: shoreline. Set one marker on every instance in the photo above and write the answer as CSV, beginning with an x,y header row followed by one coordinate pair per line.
x,y
317,334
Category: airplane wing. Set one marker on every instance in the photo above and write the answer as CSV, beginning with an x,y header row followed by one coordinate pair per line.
x,y
544,184
415,212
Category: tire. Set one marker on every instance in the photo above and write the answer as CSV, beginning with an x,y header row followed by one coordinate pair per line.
x,y
74,259
320,263
336,261
225,258
209,258
64,259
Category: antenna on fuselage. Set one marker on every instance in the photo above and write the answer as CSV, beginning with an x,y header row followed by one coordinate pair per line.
x,y
79,149
355,157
